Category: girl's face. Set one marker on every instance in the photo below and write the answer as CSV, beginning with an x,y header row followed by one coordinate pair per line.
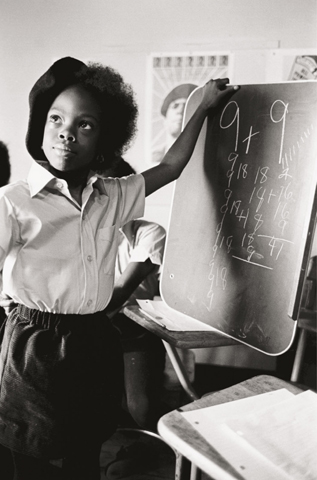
x,y
72,130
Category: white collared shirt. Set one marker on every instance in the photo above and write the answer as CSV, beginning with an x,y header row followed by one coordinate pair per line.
x,y
58,256
139,241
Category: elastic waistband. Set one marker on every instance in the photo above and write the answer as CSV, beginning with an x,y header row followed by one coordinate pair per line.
x,y
47,319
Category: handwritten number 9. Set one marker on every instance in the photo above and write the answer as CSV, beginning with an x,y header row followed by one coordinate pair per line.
x,y
236,119
278,120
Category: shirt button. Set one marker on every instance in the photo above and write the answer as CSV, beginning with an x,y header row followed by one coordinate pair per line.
x,y
89,303
59,185
89,258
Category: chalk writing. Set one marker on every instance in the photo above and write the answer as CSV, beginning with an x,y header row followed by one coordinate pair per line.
x,y
248,139
276,106
235,119
245,231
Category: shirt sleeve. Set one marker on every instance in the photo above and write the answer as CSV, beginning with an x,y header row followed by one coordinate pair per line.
x,y
7,218
133,197
149,243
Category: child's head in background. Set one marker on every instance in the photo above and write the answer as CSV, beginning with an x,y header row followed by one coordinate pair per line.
x,y
5,167
59,103
120,168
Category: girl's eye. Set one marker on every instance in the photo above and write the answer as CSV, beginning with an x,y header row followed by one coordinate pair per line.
x,y
54,118
86,125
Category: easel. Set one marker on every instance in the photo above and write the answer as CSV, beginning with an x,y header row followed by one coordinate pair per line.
x,y
249,246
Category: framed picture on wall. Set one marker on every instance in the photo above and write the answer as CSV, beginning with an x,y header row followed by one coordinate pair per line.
x,y
290,65
172,77
304,67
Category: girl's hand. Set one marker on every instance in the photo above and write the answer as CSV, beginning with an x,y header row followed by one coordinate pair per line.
x,y
6,303
215,91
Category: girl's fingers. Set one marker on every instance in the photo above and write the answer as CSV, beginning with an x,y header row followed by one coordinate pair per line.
x,y
222,83
217,89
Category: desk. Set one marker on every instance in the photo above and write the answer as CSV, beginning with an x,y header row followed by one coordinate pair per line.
x,y
201,339
181,436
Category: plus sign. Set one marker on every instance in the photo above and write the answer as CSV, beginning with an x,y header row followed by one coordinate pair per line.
x,y
249,139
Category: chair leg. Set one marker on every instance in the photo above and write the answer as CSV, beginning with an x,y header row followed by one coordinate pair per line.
x,y
195,473
182,468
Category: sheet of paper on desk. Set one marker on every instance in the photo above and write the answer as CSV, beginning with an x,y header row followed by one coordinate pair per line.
x,y
172,319
219,426
288,434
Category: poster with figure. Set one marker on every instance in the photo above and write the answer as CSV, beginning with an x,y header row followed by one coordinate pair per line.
x,y
172,77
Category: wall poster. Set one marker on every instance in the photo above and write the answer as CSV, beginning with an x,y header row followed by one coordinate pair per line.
x,y
171,79
291,65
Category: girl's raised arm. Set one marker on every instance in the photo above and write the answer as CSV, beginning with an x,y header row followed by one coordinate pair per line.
x,y
180,152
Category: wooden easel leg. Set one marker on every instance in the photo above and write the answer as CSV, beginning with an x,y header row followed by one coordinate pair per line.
x,y
180,371
195,473
182,468
300,351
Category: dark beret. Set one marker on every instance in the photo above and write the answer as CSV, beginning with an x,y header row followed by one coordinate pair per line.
x,y
59,76
181,91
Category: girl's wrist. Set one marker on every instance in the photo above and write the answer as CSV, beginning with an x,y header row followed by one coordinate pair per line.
x,y
205,109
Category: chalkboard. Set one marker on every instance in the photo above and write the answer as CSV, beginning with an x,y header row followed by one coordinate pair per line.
x,y
243,215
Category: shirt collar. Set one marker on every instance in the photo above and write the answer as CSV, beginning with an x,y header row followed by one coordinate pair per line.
x,y
39,177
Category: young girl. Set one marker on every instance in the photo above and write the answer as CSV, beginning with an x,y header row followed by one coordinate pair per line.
x,y
61,365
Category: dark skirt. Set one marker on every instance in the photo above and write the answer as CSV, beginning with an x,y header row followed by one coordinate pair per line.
x,y
61,381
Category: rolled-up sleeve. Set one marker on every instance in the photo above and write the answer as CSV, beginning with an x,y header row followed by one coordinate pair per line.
x,y
133,195
149,243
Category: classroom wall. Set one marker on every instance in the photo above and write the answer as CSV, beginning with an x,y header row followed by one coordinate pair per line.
x,y
122,33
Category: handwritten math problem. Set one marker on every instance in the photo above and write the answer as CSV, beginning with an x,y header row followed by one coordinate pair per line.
x,y
239,233
261,234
